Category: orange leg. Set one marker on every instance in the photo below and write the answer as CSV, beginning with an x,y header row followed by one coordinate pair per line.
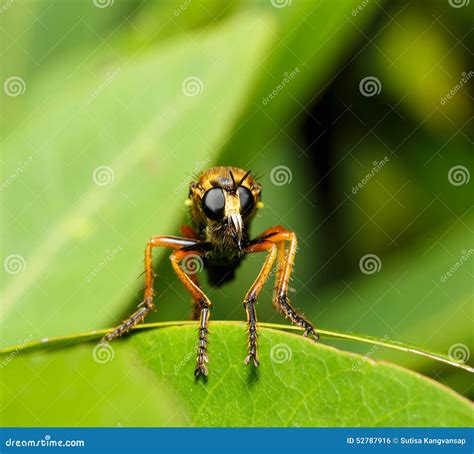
x,y
189,232
286,259
147,305
203,302
251,297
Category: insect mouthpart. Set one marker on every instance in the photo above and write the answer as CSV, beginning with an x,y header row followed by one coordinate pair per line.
x,y
235,228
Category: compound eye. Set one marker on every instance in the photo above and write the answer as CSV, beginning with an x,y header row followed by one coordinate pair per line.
x,y
213,204
246,201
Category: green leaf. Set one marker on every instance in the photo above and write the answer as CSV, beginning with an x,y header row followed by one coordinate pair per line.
x,y
78,244
299,383
68,388
62,341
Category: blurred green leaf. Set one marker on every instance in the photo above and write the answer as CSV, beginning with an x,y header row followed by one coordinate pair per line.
x,y
343,390
412,59
422,295
102,166
309,46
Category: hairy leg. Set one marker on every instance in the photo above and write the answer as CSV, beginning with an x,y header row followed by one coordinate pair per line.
x,y
251,297
147,305
286,258
202,302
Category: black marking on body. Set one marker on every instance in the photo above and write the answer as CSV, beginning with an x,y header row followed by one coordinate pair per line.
x,y
221,270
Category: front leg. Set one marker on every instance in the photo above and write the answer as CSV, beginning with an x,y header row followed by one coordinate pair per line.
x,y
203,304
251,297
147,305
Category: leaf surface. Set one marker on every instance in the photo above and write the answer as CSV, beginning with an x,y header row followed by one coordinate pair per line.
x,y
299,383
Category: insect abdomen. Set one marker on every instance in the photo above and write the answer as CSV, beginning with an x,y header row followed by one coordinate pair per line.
x,y
220,272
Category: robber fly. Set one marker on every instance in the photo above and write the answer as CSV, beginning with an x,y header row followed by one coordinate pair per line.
x,y
222,203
